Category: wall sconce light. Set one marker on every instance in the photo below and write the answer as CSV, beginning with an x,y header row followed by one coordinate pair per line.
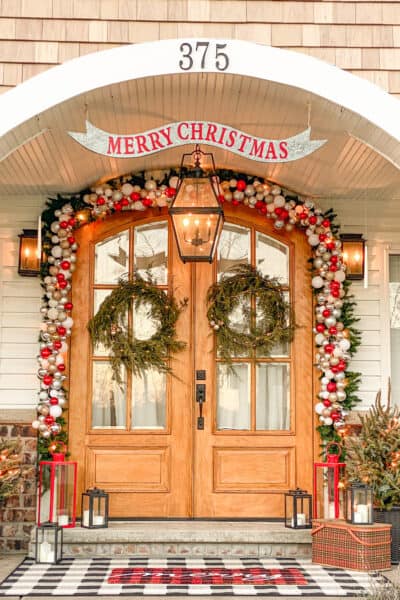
x,y
353,249
28,258
196,214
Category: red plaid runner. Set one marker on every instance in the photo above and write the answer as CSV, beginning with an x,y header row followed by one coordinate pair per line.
x,y
207,576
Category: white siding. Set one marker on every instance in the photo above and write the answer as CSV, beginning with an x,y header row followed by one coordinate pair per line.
x,y
19,307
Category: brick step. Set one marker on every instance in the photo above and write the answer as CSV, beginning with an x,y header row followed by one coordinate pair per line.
x,y
188,538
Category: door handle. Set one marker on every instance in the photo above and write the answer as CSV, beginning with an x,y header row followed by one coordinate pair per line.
x,y
200,399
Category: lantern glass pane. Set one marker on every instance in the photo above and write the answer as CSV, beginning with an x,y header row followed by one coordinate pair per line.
x,y
29,259
361,505
273,396
149,400
353,255
233,396
111,258
108,398
233,248
197,192
272,258
151,252
324,491
48,544
196,233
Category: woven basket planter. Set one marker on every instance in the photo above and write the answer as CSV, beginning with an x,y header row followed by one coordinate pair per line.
x,y
391,517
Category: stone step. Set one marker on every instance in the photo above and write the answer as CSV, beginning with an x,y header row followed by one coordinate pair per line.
x,y
188,538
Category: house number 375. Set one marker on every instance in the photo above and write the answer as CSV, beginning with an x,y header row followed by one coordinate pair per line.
x,y
205,54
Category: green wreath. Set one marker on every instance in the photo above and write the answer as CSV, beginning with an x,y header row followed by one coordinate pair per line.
x,y
108,327
267,321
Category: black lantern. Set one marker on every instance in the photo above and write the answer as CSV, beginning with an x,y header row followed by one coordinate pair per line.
x,y
28,257
94,509
197,216
298,509
353,249
48,543
359,504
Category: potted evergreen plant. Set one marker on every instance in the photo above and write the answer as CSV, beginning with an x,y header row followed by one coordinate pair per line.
x,y
373,457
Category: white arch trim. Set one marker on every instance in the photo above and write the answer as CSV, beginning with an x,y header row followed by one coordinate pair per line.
x,y
150,59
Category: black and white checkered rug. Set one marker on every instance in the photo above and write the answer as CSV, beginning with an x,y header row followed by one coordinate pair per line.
x,y
89,577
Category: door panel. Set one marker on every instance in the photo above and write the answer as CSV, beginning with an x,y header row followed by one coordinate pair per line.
x,y
143,446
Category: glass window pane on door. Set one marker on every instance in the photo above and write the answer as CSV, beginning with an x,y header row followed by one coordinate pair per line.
x,y
272,396
272,258
112,258
144,326
151,251
98,298
108,398
233,396
394,304
281,349
233,247
149,400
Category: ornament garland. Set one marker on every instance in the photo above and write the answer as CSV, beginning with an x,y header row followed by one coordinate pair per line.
x,y
336,337
265,327
108,327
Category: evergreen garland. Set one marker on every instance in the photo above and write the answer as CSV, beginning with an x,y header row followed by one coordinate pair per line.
x,y
265,324
108,327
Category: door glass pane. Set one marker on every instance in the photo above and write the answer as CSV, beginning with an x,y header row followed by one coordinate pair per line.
x,y
233,396
149,400
280,349
112,258
272,257
98,298
151,251
108,398
273,396
394,296
144,327
233,247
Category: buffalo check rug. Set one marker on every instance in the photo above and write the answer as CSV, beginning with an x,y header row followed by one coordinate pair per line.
x,y
184,577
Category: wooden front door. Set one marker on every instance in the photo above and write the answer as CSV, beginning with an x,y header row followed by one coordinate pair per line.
x,y
141,441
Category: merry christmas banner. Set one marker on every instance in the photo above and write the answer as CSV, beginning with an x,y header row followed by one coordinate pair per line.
x,y
197,132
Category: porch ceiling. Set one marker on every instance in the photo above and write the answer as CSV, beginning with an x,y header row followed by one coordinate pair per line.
x,y
359,161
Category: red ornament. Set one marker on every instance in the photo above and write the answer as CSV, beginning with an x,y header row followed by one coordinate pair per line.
x,y
101,201
326,313
68,306
312,220
329,348
118,206
326,223
263,209
63,284
124,202
57,344
320,327
332,330
335,293
335,416
53,401
303,215
71,239
61,367
330,245
341,366
49,420
235,202
48,379
322,237
284,214
332,268
241,185
331,387
60,277
65,265
147,202
259,204
334,259
72,222
170,192
64,224
278,210
327,403
135,196
45,352
61,330
221,198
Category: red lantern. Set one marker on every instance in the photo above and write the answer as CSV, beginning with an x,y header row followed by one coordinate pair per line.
x,y
328,485
57,489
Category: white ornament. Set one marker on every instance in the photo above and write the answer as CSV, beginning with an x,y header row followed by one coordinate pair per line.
x,y
55,411
317,282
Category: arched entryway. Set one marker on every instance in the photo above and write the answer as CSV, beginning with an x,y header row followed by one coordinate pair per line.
x,y
141,440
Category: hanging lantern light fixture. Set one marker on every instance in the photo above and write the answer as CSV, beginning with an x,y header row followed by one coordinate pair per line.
x,y
196,214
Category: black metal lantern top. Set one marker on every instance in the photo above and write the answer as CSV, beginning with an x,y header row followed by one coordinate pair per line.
x,y
197,216
359,504
95,508
298,509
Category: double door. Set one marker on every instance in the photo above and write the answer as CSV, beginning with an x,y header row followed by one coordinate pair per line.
x,y
143,440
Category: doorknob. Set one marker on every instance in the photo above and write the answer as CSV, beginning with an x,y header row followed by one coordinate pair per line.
x,y
200,399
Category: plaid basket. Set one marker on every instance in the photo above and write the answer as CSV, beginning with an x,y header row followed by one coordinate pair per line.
x,y
360,547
